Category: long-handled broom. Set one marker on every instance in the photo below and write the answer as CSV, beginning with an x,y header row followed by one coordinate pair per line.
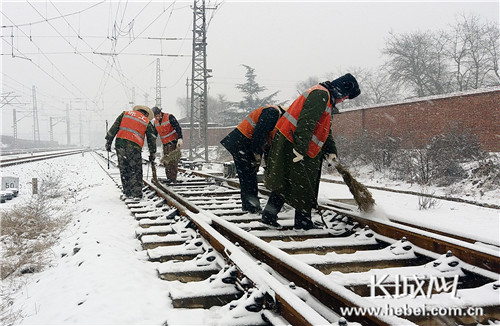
x,y
361,194
153,170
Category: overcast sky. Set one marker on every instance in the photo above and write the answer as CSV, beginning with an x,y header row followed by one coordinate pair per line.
x,y
64,50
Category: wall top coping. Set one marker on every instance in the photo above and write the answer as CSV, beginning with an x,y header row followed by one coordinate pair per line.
x,y
428,98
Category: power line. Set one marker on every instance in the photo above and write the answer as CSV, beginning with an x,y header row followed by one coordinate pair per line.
x,y
106,37
52,77
101,53
93,51
154,20
48,19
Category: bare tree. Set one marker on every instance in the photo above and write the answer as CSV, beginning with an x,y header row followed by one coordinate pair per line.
x,y
492,35
473,47
417,60
306,84
376,87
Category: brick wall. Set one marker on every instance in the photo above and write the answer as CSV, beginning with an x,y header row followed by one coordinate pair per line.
x,y
418,121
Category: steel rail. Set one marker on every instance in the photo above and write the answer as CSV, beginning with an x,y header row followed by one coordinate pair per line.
x,y
424,238
35,158
432,241
312,280
414,193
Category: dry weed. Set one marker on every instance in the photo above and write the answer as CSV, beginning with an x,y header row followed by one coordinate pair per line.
x,y
27,232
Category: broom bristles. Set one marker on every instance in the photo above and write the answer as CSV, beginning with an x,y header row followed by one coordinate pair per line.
x,y
361,194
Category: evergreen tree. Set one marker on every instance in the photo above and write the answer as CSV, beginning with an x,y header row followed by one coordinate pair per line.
x,y
251,90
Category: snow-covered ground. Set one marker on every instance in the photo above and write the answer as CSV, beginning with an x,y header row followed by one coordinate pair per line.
x,y
99,274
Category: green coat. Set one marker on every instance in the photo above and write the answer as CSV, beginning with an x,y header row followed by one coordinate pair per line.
x,y
299,182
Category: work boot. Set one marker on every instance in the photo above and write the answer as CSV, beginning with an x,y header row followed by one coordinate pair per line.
x,y
251,205
303,221
270,219
251,209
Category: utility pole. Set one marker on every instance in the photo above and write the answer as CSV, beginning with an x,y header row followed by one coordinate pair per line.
x,y
199,76
158,84
51,130
14,126
187,99
36,130
80,134
68,132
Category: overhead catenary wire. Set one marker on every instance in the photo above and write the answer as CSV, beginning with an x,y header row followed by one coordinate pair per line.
x,y
75,42
146,28
87,45
53,18
47,73
53,65
95,101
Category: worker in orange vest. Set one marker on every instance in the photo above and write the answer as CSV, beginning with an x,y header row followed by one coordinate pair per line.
x,y
170,133
247,143
130,129
301,144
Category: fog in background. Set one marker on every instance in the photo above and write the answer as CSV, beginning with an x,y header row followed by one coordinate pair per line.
x,y
95,59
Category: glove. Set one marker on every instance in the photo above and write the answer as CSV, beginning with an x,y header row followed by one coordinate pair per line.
x,y
298,157
179,143
108,146
331,159
152,157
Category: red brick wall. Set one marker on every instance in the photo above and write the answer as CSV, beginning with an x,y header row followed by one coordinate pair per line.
x,y
417,122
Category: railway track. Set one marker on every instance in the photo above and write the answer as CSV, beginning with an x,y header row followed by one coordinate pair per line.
x,y
352,269
30,157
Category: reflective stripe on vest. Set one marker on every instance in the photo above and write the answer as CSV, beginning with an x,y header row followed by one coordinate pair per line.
x,y
133,127
288,123
247,126
165,130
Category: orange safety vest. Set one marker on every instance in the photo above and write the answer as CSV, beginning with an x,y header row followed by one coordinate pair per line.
x,y
133,127
247,126
288,122
165,130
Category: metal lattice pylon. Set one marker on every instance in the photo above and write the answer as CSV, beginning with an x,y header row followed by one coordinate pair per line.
x,y
198,142
158,84
36,129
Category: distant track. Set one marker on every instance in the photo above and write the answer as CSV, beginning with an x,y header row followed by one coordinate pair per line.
x,y
459,200
39,157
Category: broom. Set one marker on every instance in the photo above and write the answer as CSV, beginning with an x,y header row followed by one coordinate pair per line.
x,y
153,169
361,194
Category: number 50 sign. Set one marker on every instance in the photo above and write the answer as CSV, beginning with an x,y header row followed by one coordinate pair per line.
x,y
10,182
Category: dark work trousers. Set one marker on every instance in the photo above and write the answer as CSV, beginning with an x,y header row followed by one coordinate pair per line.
x,y
130,165
171,168
275,204
247,168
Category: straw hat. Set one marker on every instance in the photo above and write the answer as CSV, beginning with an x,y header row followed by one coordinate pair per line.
x,y
145,109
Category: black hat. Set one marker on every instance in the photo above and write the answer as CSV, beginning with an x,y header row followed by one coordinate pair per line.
x,y
344,86
156,110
